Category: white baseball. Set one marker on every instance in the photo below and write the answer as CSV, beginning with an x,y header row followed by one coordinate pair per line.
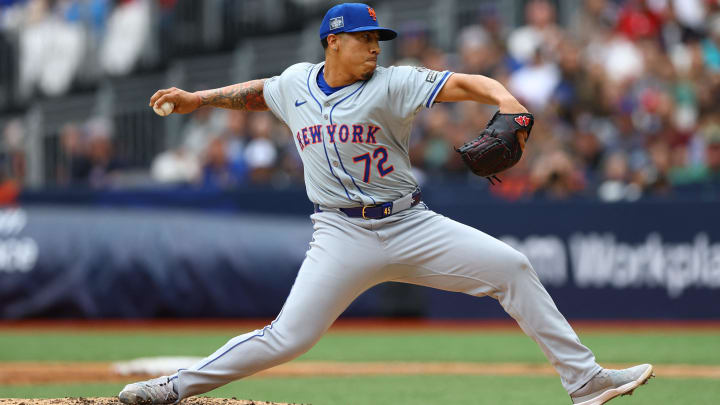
x,y
164,109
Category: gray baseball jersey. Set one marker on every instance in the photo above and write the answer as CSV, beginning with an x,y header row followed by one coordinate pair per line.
x,y
354,142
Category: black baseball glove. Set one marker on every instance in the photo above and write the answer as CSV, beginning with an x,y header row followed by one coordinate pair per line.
x,y
497,148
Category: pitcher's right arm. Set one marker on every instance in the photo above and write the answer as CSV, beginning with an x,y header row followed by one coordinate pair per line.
x,y
247,96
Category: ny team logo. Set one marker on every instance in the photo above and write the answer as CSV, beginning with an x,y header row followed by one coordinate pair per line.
x,y
371,11
522,120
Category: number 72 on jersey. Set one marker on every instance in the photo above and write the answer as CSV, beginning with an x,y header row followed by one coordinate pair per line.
x,y
378,156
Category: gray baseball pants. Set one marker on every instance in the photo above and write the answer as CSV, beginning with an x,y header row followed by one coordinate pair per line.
x,y
418,246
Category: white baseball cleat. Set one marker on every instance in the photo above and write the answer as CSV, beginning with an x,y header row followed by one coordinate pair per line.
x,y
608,384
159,390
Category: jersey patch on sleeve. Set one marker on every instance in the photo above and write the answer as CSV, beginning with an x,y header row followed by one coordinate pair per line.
x,y
432,76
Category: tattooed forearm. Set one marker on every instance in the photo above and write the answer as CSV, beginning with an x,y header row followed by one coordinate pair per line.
x,y
246,96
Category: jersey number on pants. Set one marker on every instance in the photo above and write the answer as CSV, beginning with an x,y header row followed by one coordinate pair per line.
x,y
380,151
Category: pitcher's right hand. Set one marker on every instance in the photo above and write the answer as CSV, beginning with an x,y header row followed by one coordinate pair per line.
x,y
184,101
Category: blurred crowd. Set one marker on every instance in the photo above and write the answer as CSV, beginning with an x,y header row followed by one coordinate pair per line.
x,y
57,38
223,149
626,97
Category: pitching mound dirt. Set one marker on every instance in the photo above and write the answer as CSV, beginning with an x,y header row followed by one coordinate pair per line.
x,y
114,401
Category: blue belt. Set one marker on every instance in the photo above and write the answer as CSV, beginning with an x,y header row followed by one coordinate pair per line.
x,y
382,210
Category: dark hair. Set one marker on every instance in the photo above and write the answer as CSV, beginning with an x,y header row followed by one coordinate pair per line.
x,y
324,43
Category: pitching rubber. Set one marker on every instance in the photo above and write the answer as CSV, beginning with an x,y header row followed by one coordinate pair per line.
x,y
626,389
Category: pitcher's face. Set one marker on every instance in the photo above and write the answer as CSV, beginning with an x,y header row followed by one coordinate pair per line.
x,y
358,53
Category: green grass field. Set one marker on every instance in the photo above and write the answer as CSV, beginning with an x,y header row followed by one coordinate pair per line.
x,y
701,348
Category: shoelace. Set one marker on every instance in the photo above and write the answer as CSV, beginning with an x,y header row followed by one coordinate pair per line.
x,y
160,389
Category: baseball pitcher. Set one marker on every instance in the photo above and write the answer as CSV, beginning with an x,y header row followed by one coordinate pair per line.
x,y
350,120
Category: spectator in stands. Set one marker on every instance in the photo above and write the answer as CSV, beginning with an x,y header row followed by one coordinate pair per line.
x,y
86,156
219,172
182,162
73,162
620,58
690,15
640,19
203,125
288,166
589,153
237,136
12,162
655,177
436,150
576,90
708,171
13,152
555,176
412,43
175,166
478,52
711,46
712,158
595,16
534,83
617,185
261,152
128,34
103,162
540,31
51,49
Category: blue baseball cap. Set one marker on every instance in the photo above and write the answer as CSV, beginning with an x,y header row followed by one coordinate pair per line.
x,y
353,17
